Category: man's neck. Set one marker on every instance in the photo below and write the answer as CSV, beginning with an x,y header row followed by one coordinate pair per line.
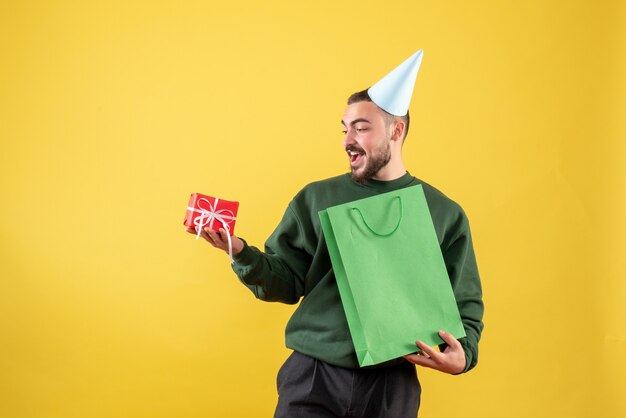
x,y
390,172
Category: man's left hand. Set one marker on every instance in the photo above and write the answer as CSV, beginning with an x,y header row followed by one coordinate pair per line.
x,y
451,360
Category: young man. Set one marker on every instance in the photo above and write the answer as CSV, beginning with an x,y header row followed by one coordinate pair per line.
x,y
322,377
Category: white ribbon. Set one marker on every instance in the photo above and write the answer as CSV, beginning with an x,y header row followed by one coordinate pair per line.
x,y
208,216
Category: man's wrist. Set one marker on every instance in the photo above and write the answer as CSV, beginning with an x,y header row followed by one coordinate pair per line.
x,y
238,245
244,252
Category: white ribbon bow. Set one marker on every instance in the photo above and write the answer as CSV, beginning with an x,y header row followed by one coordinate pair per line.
x,y
208,216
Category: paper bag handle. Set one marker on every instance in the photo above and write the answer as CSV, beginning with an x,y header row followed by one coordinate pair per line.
x,y
380,234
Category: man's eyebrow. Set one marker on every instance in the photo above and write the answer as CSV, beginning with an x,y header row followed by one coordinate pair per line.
x,y
355,121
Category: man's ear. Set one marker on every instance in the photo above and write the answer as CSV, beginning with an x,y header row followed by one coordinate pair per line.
x,y
397,130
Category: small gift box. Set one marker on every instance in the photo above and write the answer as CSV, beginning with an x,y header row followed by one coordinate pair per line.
x,y
206,211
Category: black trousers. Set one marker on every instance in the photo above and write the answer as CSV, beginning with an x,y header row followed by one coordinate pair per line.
x,y
312,388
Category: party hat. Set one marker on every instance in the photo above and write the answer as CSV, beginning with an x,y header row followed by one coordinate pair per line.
x,y
393,92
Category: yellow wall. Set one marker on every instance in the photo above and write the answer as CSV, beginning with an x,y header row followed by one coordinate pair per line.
x,y
111,113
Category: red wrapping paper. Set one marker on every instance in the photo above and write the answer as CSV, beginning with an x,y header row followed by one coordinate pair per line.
x,y
209,212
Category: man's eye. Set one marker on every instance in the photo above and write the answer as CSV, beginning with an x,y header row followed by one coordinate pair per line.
x,y
344,132
361,130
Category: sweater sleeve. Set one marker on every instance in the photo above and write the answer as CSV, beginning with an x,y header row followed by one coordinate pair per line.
x,y
463,272
277,274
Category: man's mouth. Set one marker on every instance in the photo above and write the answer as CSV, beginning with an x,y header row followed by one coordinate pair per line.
x,y
355,156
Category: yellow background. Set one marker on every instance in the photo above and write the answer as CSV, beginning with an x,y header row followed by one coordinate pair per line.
x,y
112,113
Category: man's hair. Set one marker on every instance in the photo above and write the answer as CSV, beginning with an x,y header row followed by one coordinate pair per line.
x,y
363,96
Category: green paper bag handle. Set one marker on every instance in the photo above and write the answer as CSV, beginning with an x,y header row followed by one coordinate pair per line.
x,y
380,234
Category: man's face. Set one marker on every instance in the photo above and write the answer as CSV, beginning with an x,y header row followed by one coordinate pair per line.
x,y
366,140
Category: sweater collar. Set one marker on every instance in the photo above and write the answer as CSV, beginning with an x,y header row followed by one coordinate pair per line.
x,y
385,186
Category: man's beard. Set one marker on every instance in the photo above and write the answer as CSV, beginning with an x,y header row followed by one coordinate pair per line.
x,y
375,162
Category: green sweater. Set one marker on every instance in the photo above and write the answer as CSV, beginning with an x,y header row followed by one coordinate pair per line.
x,y
296,265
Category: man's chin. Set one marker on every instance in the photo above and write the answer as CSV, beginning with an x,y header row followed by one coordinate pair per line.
x,y
358,176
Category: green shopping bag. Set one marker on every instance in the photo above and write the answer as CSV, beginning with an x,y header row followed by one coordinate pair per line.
x,y
391,275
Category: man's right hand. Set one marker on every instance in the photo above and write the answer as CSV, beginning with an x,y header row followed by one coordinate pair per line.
x,y
218,239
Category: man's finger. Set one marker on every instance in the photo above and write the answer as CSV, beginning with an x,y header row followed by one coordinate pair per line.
x,y
218,240
204,234
221,235
215,236
428,350
450,340
420,360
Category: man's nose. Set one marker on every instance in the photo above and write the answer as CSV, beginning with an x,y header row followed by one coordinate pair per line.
x,y
348,138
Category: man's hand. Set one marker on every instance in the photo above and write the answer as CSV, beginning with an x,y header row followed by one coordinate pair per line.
x,y
218,239
451,360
